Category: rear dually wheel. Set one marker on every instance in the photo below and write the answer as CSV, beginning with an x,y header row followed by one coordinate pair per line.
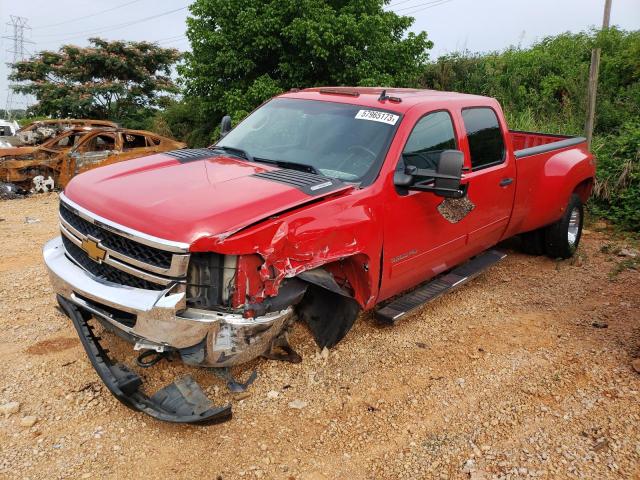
x,y
563,237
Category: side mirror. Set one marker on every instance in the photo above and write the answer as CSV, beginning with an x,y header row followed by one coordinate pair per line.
x,y
449,174
225,126
444,181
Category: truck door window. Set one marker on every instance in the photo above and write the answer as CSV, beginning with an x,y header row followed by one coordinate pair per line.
x,y
486,144
432,135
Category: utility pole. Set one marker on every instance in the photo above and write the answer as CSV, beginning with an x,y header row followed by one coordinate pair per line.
x,y
593,78
17,53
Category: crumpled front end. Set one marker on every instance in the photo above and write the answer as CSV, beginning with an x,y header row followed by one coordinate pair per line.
x,y
152,293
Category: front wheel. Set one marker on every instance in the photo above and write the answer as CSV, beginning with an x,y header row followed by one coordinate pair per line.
x,y
563,237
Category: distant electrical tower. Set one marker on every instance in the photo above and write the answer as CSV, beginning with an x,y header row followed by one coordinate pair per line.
x,y
16,53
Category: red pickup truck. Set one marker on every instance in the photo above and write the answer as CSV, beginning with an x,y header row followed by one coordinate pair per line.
x,y
322,203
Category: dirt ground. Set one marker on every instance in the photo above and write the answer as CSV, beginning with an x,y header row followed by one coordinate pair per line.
x,y
525,372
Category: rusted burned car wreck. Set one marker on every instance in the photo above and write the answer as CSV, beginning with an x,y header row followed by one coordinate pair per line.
x,y
39,131
77,149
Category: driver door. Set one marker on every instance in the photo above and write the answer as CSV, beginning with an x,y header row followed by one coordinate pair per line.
x,y
419,242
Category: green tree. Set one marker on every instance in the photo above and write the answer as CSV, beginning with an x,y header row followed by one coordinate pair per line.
x,y
244,52
122,81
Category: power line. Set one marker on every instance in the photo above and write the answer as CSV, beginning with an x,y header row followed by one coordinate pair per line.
x,y
169,39
425,6
117,26
88,16
395,4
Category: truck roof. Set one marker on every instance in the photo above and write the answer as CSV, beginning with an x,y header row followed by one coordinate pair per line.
x,y
370,96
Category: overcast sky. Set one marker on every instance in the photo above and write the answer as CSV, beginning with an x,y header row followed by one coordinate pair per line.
x,y
452,25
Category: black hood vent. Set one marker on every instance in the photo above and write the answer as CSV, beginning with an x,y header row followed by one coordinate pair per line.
x,y
309,183
190,154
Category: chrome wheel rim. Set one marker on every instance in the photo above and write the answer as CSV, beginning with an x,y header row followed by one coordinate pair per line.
x,y
574,226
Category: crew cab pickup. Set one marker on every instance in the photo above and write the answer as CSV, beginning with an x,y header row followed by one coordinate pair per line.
x,y
320,204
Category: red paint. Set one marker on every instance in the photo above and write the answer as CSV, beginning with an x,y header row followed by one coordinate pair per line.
x,y
279,231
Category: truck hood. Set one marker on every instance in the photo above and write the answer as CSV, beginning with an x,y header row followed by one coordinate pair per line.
x,y
186,200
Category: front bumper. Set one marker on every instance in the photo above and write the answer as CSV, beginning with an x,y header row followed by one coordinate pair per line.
x,y
161,320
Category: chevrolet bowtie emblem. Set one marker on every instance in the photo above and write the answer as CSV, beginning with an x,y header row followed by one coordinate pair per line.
x,y
95,252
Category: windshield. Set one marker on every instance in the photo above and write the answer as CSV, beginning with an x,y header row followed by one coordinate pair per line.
x,y
347,142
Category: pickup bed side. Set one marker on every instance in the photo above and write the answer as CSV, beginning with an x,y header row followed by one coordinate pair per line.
x,y
549,169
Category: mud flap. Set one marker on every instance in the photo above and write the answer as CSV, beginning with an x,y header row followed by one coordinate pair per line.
x,y
180,402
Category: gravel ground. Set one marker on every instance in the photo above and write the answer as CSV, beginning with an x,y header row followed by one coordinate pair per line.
x,y
525,372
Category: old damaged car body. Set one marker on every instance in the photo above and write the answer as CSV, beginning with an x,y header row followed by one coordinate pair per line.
x,y
39,131
310,208
76,150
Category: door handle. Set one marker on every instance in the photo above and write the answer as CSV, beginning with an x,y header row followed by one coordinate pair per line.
x,y
506,181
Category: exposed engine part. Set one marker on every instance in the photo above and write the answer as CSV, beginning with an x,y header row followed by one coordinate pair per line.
x,y
42,185
209,279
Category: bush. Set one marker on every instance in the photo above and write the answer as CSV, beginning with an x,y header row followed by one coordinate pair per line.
x,y
617,188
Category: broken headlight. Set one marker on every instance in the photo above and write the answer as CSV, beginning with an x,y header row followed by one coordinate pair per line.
x,y
210,280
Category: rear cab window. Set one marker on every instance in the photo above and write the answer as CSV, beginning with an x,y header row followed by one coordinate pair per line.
x,y
486,143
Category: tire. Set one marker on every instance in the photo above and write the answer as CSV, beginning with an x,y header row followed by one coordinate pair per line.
x,y
533,243
563,237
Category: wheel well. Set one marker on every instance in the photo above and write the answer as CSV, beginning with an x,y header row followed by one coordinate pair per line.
x,y
336,294
583,189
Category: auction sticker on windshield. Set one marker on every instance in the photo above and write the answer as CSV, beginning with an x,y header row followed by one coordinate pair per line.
x,y
376,116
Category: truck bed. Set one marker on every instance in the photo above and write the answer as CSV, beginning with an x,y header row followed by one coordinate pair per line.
x,y
532,143
541,161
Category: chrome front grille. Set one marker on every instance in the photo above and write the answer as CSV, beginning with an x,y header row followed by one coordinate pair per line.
x,y
130,258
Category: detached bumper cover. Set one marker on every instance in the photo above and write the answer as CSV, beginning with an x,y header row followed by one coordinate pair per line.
x,y
180,402
160,320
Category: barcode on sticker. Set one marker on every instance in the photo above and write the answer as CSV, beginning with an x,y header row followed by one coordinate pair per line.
x,y
376,116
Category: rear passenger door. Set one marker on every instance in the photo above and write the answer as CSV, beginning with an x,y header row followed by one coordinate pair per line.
x,y
491,181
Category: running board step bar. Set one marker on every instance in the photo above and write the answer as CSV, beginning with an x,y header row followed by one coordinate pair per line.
x,y
401,306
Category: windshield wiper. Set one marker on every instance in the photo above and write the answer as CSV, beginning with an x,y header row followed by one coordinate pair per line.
x,y
238,152
303,167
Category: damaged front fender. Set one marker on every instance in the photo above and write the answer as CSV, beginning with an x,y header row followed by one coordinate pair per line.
x,y
337,234
324,258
